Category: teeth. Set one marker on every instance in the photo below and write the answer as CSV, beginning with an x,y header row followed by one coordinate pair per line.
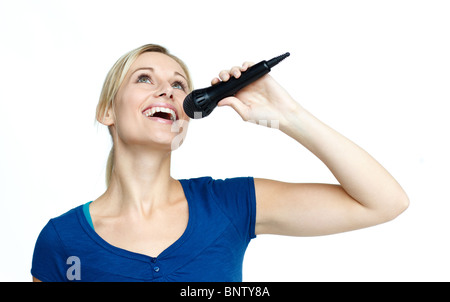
x,y
153,110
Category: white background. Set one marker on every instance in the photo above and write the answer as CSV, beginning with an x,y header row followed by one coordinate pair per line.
x,y
377,71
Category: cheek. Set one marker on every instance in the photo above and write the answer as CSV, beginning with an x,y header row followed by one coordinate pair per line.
x,y
181,113
127,104
125,119
125,128
131,98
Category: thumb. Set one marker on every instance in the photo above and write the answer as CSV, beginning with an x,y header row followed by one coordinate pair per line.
x,y
236,104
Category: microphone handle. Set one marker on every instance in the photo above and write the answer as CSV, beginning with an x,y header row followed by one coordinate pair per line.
x,y
232,86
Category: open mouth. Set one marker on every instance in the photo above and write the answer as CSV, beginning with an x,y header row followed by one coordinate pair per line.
x,y
161,112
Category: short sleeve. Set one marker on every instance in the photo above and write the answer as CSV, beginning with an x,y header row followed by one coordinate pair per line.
x,y
49,258
236,198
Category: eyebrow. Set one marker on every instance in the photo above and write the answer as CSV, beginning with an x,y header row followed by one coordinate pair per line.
x,y
153,70
177,73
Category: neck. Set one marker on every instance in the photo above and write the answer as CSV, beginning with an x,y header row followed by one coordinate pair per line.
x,y
140,180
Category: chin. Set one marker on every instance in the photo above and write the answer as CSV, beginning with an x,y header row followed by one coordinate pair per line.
x,y
167,142
164,137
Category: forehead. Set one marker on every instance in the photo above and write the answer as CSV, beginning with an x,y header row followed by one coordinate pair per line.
x,y
157,61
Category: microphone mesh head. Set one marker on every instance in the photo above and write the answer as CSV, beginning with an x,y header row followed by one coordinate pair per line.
x,y
189,106
197,104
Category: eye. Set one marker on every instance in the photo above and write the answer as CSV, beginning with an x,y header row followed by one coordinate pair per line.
x,y
144,79
179,85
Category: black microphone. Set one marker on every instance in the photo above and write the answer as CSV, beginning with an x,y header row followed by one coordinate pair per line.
x,y
201,102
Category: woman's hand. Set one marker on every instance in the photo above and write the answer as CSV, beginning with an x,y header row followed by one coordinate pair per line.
x,y
367,194
262,102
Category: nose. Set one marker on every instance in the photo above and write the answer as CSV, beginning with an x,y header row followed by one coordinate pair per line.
x,y
165,91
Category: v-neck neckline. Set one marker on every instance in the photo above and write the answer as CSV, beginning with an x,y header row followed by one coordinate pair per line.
x,y
88,227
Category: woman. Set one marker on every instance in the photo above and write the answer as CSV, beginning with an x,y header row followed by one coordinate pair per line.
x,y
148,226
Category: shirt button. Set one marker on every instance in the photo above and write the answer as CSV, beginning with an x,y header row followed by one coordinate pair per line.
x,y
153,260
156,269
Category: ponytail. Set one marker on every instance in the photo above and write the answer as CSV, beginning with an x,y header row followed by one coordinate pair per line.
x,y
109,166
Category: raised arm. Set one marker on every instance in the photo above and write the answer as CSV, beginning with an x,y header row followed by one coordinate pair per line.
x,y
367,194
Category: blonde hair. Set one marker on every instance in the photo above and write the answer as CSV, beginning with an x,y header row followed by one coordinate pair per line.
x,y
114,80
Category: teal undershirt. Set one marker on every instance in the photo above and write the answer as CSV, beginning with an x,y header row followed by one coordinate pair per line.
x,y
87,214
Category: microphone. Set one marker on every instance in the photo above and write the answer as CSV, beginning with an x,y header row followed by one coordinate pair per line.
x,y
201,102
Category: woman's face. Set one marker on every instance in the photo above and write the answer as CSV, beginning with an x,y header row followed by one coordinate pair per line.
x,y
149,104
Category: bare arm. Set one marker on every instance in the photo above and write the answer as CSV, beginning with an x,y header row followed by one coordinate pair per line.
x,y
367,194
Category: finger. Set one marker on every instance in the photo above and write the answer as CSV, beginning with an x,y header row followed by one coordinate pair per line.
x,y
224,75
246,65
215,81
236,71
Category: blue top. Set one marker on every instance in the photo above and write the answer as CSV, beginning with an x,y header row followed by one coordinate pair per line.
x,y
222,216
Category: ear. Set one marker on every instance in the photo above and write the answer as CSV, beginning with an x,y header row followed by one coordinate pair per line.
x,y
107,119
